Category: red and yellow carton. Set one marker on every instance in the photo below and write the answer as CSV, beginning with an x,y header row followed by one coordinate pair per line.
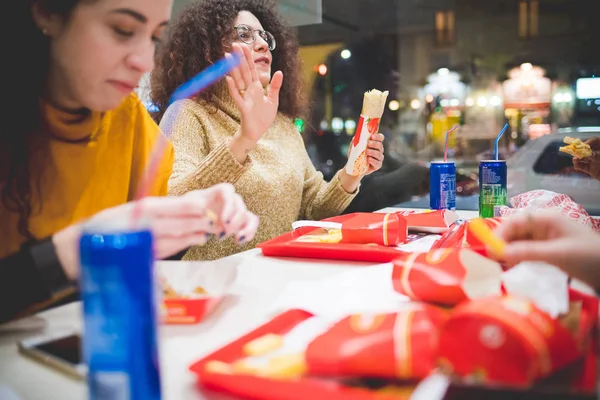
x,y
446,276
192,290
385,229
400,345
360,228
505,340
433,221
461,236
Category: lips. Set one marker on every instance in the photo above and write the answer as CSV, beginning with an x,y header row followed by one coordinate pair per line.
x,y
123,86
263,61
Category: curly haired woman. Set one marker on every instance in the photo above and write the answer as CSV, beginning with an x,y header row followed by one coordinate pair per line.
x,y
241,131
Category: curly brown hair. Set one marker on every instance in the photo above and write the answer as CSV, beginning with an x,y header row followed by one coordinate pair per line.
x,y
199,37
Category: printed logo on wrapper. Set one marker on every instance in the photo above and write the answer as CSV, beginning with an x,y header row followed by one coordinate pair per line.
x,y
363,323
438,256
492,336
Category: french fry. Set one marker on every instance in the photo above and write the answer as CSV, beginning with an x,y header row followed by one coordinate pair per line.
x,y
286,366
263,345
576,148
481,231
219,367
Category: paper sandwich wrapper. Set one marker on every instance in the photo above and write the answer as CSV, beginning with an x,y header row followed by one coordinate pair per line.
x,y
364,228
368,124
186,304
505,340
398,345
446,276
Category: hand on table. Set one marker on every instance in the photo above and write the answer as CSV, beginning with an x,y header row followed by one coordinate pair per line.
x,y
258,108
590,165
176,222
552,238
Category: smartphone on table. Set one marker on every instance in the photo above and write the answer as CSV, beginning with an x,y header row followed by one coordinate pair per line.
x,y
61,351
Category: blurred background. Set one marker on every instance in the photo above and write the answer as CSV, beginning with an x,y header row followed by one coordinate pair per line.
x,y
534,64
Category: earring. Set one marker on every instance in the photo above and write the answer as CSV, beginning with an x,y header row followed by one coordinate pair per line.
x,y
44,31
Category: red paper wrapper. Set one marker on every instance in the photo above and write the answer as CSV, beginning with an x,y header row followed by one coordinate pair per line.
x,y
544,199
505,340
383,229
437,221
461,236
446,276
399,345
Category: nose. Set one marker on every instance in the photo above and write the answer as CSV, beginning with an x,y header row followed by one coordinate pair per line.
x,y
142,58
260,45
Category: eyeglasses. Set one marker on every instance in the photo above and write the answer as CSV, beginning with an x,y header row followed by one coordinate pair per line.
x,y
247,35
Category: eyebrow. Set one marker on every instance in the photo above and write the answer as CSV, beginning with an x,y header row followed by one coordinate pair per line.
x,y
136,15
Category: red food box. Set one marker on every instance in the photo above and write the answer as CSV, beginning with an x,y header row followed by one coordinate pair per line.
x,y
192,290
361,228
400,345
446,276
461,236
263,388
508,341
431,221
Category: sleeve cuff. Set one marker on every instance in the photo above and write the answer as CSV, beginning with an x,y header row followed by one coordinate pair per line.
x,y
46,261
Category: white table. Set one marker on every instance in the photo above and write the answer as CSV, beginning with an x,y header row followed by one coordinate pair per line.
x,y
260,280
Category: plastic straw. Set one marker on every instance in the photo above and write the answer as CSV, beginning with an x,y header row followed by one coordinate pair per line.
x,y
206,78
498,140
455,127
189,89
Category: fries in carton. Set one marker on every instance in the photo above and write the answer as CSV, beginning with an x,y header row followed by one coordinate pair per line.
x,y
192,290
399,345
368,124
446,276
432,221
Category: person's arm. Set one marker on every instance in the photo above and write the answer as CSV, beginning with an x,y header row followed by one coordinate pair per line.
x,y
196,166
321,199
32,276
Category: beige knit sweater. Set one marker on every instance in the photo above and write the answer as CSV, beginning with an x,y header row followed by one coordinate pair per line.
x,y
278,181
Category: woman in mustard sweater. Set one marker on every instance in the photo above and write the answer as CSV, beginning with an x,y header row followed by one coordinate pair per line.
x,y
75,140
241,131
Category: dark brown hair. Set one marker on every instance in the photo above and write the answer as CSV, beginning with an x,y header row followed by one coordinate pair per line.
x,y
23,81
197,39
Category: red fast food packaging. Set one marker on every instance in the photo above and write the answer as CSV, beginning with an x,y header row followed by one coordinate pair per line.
x,y
437,221
384,229
461,236
395,345
504,340
446,276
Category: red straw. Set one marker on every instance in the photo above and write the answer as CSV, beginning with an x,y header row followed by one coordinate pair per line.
x,y
149,176
446,147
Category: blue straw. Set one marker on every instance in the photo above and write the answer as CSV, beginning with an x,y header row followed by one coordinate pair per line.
x,y
498,140
206,78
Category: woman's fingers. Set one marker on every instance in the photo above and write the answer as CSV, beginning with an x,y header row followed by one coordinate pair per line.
x,y
244,68
248,231
235,93
275,87
236,73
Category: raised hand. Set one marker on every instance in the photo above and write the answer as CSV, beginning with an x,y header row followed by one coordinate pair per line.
x,y
258,106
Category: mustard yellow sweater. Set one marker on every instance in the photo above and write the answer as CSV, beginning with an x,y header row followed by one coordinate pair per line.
x,y
81,179
278,181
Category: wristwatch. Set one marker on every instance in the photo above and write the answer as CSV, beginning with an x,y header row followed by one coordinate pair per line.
x,y
45,259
